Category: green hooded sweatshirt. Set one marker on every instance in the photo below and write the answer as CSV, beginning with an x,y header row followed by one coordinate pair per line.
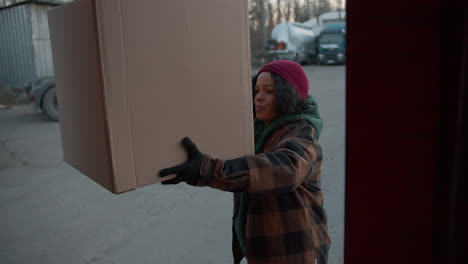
x,y
262,132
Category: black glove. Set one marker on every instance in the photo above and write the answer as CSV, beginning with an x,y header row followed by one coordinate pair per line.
x,y
188,171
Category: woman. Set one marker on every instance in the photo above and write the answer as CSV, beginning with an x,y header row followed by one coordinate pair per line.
x,y
278,202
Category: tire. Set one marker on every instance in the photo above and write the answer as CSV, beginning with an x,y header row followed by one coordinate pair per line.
x,y
319,62
49,104
297,58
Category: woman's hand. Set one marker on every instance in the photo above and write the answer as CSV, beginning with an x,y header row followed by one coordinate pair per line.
x,y
188,171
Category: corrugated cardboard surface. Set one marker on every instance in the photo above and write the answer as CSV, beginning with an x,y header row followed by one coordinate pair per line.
x,y
167,69
79,91
113,66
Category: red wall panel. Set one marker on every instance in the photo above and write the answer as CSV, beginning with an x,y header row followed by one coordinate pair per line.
x,y
393,65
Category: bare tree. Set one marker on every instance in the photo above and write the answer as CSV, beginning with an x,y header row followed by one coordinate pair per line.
x,y
278,11
254,15
324,6
308,8
287,13
255,26
296,9
301,11
319,7
262,22
271,22
315,11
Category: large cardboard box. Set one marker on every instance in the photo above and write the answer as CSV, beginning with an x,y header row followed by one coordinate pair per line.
x,y
134,77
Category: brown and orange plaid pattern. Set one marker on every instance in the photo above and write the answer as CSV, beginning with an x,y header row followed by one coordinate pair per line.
x,y
286,221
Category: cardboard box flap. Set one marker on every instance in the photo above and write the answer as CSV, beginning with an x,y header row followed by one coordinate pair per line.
x,y
113,65
76,58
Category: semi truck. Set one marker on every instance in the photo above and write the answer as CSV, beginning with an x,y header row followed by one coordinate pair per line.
x,y
331,44
292,41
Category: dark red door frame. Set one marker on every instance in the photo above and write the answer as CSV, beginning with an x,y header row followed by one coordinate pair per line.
x,y
406,112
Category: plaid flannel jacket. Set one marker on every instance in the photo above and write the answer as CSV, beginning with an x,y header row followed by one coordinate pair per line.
x,y
286,221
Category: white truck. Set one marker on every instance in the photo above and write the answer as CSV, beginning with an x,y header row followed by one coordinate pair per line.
x,y
292,41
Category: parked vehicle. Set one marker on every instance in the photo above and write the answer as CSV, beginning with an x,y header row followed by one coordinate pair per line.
x,y
42,94
292,41
332,44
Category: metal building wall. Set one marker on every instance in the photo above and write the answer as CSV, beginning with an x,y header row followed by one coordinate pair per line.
x,y
41,40
16,49
25,52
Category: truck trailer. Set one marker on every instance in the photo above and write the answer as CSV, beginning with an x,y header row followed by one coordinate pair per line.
x,y
292,41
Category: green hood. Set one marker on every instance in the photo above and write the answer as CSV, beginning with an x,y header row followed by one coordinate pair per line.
x,y
262,132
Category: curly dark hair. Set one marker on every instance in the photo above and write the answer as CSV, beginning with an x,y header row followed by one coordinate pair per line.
x,y
287,100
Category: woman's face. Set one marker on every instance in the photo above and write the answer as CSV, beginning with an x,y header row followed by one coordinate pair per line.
x,y
264,99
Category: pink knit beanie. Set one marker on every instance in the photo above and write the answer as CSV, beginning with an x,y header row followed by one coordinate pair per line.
x,y
291,72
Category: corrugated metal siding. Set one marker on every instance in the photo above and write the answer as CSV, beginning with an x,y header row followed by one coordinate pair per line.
x,y
16,51
25,52
41,41
7,3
